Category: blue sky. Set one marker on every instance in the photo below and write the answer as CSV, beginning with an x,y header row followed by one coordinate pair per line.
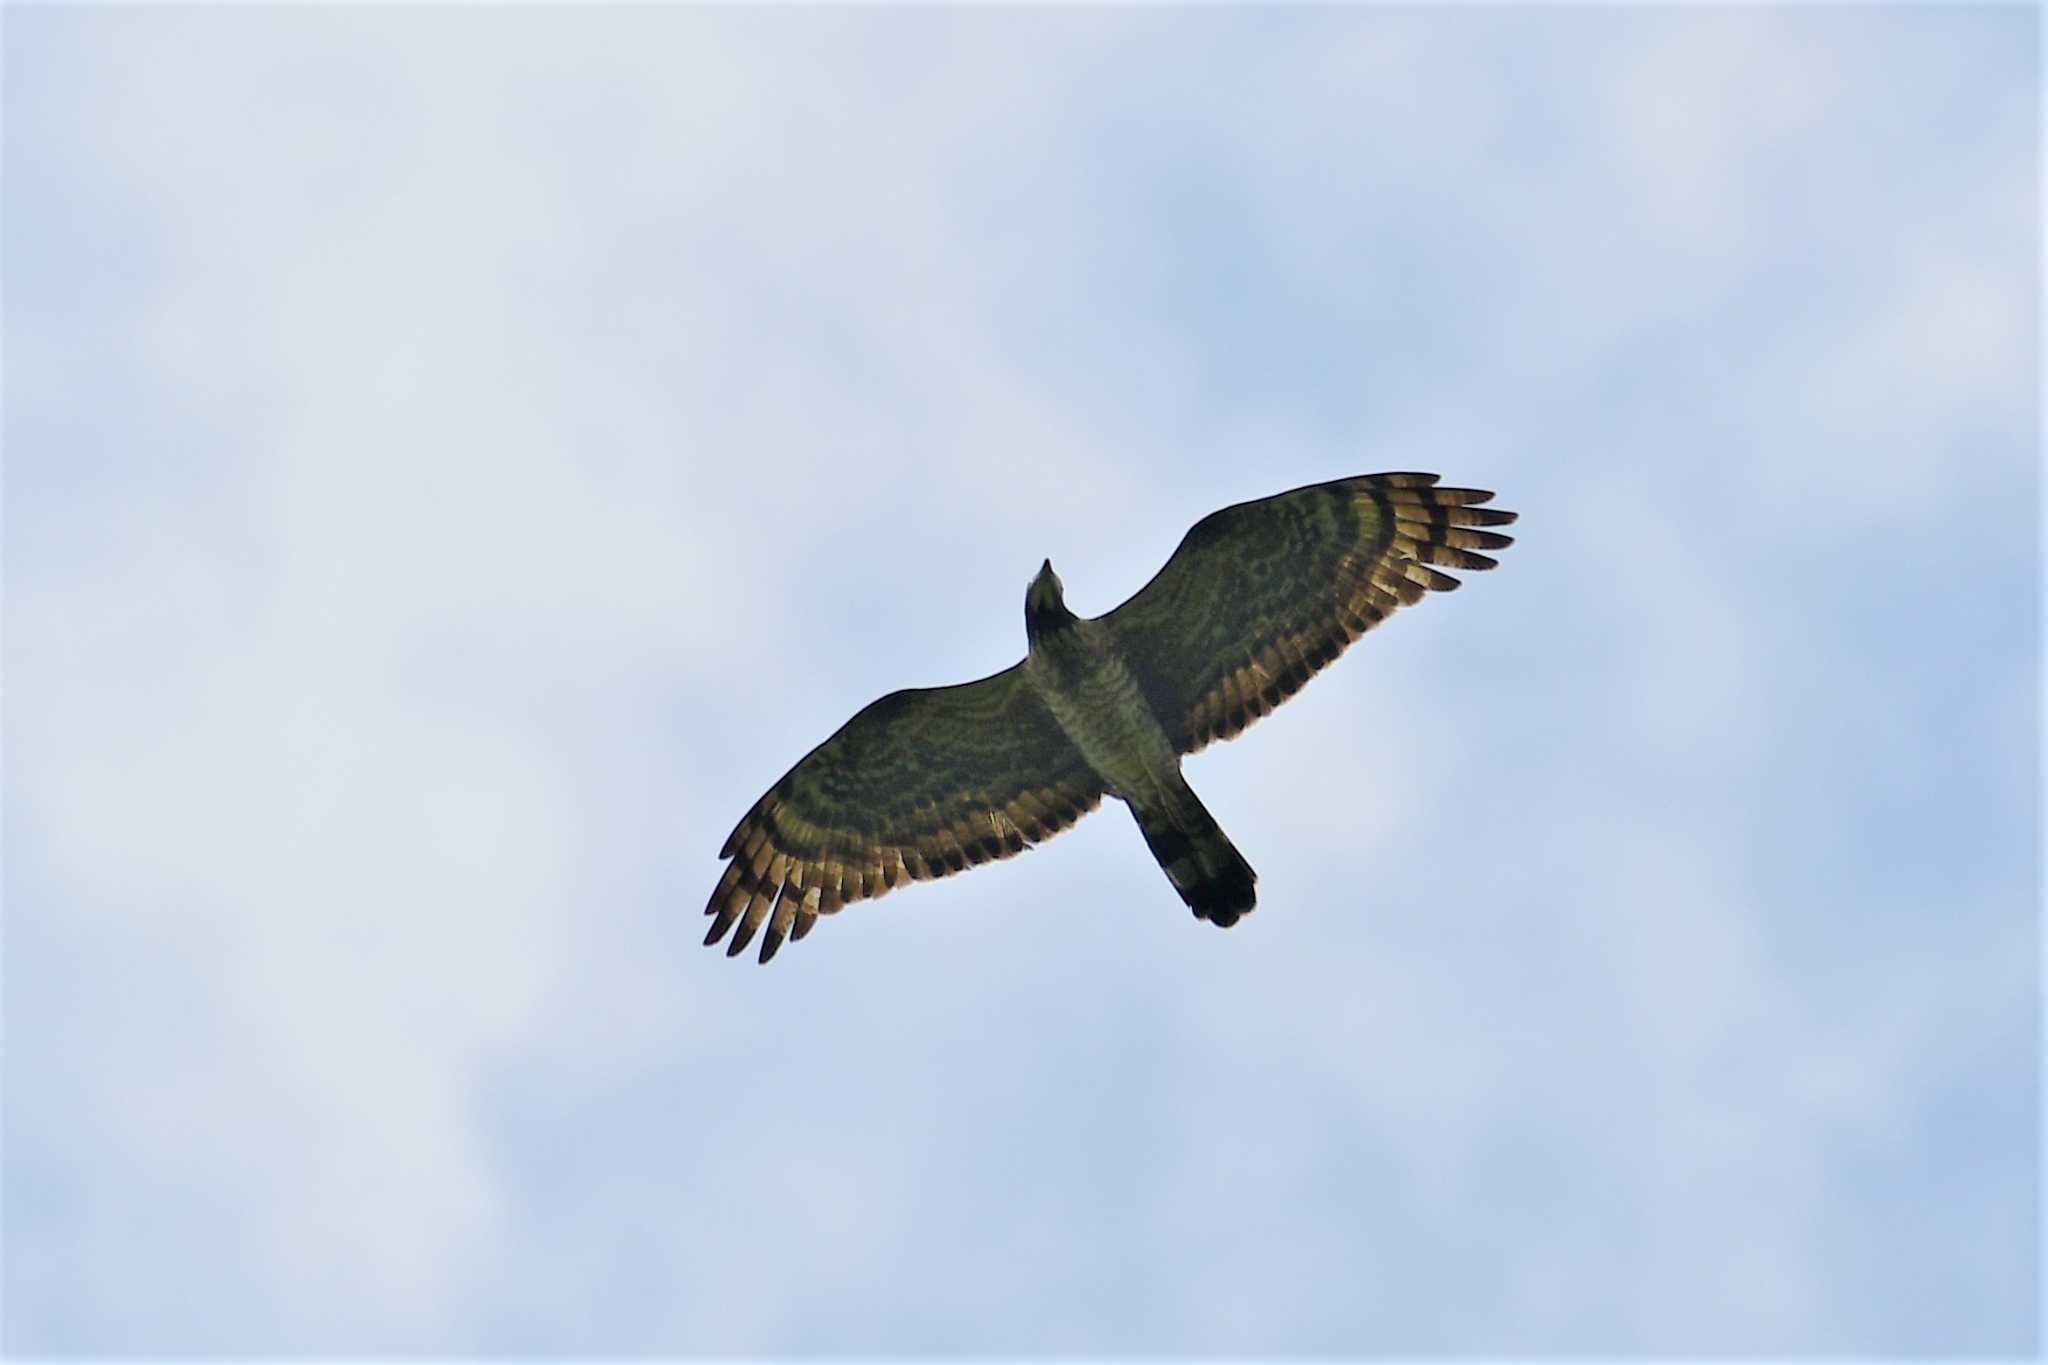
x,y
456,459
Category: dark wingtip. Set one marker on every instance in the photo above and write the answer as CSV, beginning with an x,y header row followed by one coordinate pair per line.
x,y
741,937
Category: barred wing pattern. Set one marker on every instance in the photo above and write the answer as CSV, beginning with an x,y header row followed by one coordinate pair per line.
x,y
923,783
1261,596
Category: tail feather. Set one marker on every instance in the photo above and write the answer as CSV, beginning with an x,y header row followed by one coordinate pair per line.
x,y
1211,876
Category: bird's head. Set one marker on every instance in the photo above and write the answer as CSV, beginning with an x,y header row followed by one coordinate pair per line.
x,y
1045,604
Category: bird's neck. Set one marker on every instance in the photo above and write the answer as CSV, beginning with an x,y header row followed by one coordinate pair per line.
x,y
1047,622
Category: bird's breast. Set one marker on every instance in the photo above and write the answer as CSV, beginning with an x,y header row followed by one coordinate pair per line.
x,y
1094,697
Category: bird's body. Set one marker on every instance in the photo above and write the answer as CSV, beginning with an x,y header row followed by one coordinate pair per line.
x,y
926,782
1080,675
1078,670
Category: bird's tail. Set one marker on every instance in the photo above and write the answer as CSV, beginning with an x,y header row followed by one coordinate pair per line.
x,y
1198,858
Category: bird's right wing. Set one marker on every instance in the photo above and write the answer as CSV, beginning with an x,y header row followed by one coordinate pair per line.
x,y
920,784
1262,595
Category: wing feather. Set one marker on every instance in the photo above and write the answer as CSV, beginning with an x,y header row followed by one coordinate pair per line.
x,y
921,784
1261,596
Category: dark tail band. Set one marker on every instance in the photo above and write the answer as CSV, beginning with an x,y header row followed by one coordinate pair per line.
x,y
1212,877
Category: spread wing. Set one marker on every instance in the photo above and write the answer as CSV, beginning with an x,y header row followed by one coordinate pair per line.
x,y
1262,595
921,784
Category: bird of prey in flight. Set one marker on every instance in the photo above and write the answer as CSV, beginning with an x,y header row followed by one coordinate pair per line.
x,y
928,781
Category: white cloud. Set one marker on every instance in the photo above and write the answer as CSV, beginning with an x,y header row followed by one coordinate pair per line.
x,y
457,459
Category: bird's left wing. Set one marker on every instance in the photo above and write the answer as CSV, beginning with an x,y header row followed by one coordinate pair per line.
x,y
920,784
1262,595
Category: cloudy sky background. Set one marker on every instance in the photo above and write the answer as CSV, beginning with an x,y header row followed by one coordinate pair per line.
x,y
457,459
